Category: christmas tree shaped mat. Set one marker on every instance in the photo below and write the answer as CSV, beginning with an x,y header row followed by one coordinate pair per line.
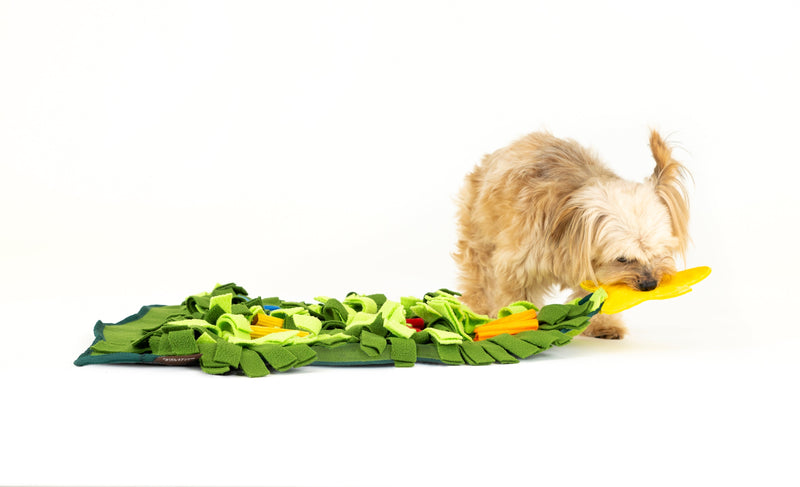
x,y
227,331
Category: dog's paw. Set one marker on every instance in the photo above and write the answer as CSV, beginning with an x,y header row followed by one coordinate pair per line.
x,y
606,326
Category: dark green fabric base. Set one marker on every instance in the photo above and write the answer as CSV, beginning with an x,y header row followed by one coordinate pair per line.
x,y
351,354
88,357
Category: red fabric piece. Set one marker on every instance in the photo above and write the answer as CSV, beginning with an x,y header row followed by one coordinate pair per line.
x,y
416,323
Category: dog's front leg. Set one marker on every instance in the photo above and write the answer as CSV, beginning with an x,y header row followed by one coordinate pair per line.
x,y
606,326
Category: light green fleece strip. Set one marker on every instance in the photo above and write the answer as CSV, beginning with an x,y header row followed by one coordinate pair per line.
x,y
307,323
408,302
255,309
443,337
323,339
394,319
444,307
236,325
360,318
224,301
361,303
279,337
515,308
399,329
392,311
424,311
284,313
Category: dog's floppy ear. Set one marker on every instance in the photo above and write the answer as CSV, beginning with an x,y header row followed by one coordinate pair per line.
x,y
669,178
575,231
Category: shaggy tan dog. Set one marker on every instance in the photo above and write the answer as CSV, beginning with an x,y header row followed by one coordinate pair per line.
x,y
545,212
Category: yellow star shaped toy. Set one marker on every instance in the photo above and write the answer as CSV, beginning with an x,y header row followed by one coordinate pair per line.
x,y
622,297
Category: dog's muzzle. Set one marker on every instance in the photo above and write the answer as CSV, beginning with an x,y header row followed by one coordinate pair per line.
x,y
647,284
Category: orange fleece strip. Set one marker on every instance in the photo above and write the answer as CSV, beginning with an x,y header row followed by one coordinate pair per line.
x,y
529,325
510,324
524,315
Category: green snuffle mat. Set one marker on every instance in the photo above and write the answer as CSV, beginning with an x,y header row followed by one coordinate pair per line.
x,y
213,330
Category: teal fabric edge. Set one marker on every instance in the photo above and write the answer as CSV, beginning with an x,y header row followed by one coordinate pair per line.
x,y
87,358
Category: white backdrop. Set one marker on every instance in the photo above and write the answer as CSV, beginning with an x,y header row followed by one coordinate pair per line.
x,y
307,148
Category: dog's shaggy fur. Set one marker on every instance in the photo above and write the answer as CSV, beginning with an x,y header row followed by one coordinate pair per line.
x,y
546,212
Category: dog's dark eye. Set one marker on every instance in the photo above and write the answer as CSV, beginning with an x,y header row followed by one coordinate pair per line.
x,y
622,260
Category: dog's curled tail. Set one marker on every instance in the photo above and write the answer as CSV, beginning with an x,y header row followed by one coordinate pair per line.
x,y
669,179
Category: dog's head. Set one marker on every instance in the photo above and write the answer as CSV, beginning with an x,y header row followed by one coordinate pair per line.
x,y
625,232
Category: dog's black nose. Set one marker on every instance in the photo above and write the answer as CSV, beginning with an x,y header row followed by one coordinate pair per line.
x,y
647,284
